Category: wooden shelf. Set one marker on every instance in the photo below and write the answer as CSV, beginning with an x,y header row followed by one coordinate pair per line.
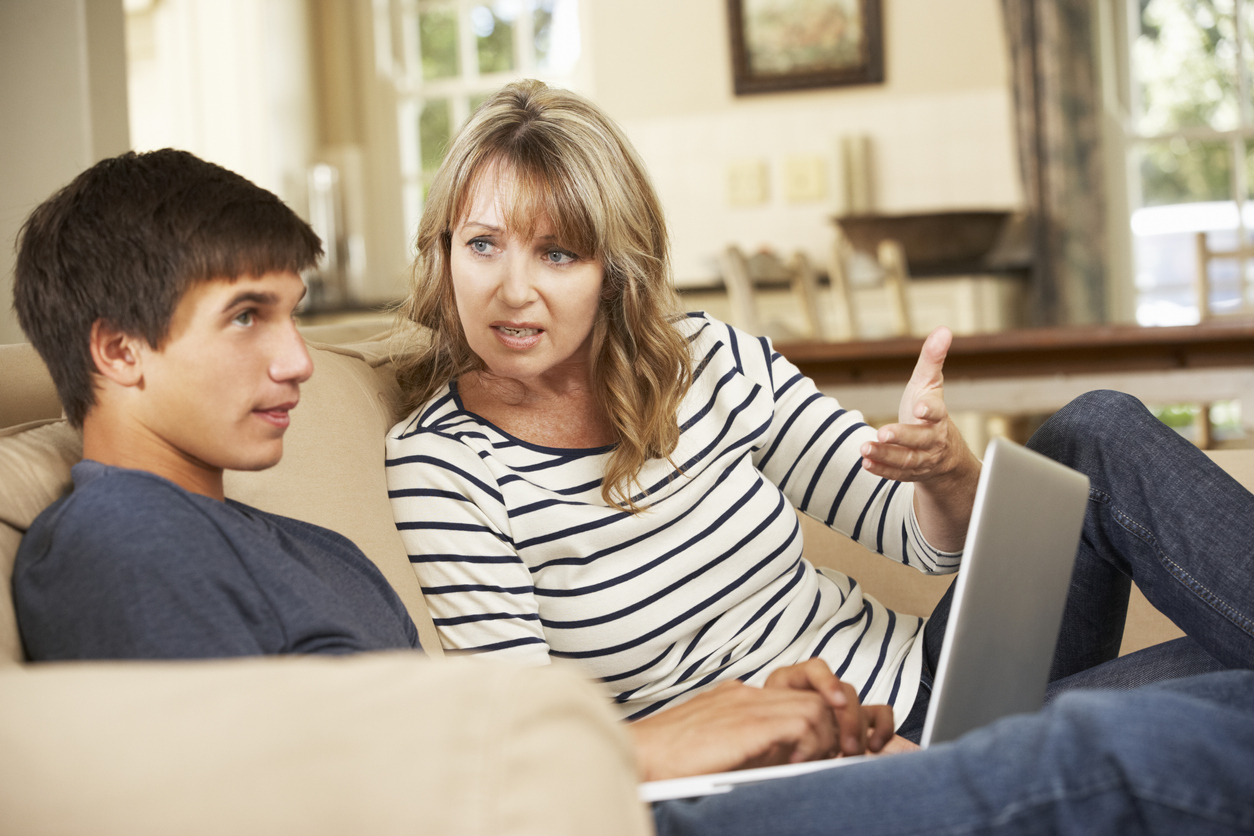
x,y
1034,352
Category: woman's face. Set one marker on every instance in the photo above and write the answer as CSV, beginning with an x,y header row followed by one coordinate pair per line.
x,y
527,305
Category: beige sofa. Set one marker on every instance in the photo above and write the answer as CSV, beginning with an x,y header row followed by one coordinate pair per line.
x,y
385,743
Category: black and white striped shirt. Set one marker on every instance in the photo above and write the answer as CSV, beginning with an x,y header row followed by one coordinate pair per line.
x,y
521,559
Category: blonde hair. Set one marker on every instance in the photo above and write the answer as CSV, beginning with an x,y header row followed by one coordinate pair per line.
x,y
573,167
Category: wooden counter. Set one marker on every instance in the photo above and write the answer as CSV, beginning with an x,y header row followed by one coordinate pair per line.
x,y
1034,351
1034,371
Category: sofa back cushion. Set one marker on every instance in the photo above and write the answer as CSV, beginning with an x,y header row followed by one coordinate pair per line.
x,y
28,393
332,471
35,462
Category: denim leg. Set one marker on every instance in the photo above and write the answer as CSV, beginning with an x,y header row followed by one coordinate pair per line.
x,y
933,640
1162,514
1169,660
1176,758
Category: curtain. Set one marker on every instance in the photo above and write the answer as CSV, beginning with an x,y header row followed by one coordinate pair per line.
x,y
1057,114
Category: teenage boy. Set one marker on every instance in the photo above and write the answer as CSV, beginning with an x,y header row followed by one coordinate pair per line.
x,y
160,291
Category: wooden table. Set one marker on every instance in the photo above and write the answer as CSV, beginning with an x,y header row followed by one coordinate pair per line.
x,y
1041,369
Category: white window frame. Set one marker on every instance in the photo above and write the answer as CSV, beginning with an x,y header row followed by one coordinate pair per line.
x,y
1118,26
399,57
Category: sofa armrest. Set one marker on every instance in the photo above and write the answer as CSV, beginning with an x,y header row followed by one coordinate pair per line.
x,y
378,743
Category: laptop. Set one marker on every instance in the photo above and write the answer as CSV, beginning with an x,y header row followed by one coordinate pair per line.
x,y
1007,610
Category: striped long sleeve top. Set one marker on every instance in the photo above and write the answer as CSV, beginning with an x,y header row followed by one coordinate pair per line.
x,y
521,559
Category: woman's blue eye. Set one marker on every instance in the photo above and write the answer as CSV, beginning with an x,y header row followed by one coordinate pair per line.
x,y
479,246
560,256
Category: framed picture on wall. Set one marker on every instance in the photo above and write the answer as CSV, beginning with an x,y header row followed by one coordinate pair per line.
x,y
798,44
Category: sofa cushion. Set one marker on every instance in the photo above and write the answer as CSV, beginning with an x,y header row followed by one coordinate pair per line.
x,y
35,462
332,470
386,743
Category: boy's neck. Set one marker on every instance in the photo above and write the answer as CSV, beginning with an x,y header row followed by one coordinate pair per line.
x,y
119,445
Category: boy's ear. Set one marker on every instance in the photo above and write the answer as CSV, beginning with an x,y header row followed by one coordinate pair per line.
x,y
116,355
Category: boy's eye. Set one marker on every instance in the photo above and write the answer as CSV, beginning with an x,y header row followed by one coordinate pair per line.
x,y
244,318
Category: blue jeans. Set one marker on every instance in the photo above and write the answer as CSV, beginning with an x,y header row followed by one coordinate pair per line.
x,y
1174,758
1177,757
1160,513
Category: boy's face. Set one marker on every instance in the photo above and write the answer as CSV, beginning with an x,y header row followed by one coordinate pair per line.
x,y
218,393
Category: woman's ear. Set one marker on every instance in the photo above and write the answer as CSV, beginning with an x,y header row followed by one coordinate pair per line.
x,y
116,355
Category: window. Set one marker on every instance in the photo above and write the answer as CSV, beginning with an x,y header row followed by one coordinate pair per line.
x,y
447,56
1189,133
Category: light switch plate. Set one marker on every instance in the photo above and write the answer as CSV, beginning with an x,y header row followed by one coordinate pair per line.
x,y
747,183
805,178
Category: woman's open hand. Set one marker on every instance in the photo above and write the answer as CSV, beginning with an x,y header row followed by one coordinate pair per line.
x,y
924,445
926,448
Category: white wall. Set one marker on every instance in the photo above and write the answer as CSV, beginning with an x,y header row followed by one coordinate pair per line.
x,y
267,88
940,125
232,82
62,108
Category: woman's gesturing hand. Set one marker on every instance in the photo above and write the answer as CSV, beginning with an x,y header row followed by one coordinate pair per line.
x,y
804,713
925,447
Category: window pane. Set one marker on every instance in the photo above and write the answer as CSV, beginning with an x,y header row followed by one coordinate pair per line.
x,y
1185,60
1184,171
1173,244
437,38
494,34
1186,200
1246,8
433,131
1224,271
556,34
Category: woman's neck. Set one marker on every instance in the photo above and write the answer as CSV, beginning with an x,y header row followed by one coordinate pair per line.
x,y
565,415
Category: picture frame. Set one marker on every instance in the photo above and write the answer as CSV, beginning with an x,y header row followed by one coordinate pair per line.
x,y
781,45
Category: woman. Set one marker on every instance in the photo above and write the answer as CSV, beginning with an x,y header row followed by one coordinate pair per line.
x,y
587,475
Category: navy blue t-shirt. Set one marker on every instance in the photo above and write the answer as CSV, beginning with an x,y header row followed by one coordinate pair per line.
x,y
131,566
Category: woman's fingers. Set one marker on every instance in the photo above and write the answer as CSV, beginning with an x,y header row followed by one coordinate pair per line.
x,y
860,727
916,453
810,675
928,374
912,436
882,728
735,726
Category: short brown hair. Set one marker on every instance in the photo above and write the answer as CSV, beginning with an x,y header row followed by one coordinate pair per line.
x,y
125,240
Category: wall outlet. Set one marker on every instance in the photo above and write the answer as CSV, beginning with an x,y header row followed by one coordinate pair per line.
x,y
747,183
805,178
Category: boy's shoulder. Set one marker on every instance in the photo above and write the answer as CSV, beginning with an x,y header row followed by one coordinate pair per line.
x,y
96,569
136,513
113,504
119,525
130,565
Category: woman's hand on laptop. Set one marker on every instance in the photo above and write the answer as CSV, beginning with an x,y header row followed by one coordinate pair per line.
x,y
734,726
862,728
802,714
